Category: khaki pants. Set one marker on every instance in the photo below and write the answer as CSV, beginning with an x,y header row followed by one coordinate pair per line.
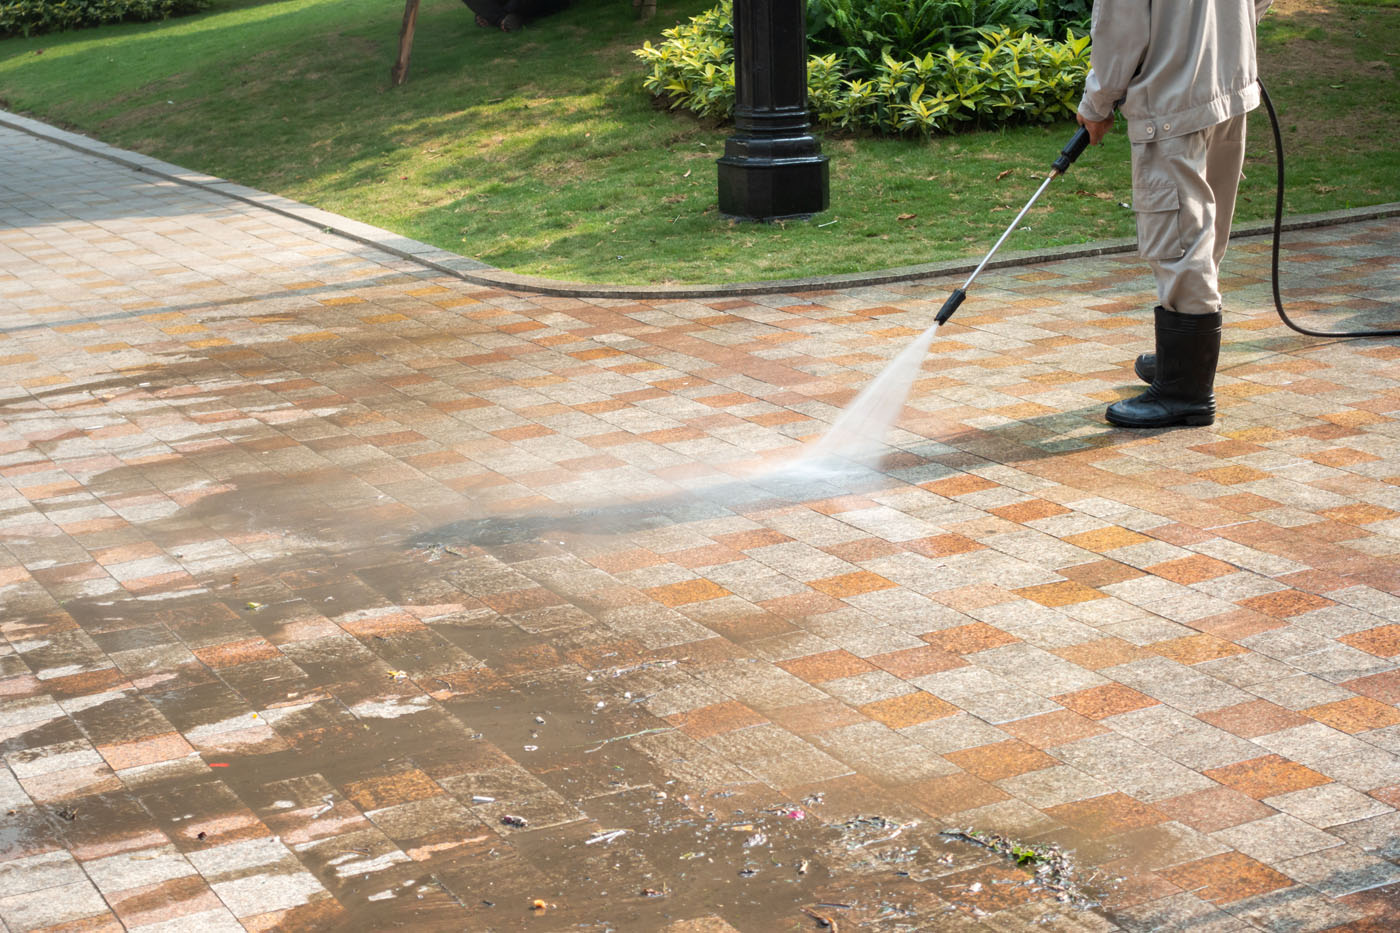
x,y
1184,192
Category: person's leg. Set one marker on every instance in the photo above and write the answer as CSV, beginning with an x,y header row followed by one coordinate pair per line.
x,y
1224,162
1176,218
1176,233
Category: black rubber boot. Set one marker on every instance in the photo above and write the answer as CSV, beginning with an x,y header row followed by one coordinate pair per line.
x,y
1183,380
1146,367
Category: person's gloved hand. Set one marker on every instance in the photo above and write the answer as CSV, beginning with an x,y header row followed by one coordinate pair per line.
x,y
1098,129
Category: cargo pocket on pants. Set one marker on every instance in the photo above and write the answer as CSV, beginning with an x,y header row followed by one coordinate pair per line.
x,y
1158,211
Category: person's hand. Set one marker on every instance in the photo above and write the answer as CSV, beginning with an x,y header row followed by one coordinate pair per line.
x,y
1098,129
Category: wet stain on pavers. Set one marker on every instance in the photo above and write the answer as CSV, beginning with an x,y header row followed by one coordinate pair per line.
x,y
510,789
362,605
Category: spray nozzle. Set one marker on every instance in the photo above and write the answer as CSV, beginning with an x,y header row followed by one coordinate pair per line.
x,y
950,305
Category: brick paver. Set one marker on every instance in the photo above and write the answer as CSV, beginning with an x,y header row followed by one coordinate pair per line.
x,y
338,593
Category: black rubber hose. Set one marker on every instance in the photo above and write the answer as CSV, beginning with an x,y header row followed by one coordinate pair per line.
x,y
1278,233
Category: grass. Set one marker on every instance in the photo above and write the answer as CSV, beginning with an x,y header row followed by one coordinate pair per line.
x,y
538,152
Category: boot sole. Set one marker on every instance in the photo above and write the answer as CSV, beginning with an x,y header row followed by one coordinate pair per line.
x,y
1187,421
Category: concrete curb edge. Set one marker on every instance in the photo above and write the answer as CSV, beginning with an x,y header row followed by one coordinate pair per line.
x,y
479,273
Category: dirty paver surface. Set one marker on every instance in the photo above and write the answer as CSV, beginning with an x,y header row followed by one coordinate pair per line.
x,y
339,594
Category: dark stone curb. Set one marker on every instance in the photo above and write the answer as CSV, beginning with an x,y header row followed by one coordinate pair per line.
x,y
479,273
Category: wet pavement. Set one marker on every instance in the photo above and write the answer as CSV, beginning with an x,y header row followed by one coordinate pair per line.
x,y
341,594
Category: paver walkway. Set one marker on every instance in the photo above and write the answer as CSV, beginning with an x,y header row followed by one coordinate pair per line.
x,y
340,594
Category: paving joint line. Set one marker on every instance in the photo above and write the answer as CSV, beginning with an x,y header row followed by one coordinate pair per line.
x,y
479,273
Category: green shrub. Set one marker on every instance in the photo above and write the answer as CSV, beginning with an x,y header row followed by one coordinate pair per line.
x,y
694,66
903,29
31,17
1003,76
864,30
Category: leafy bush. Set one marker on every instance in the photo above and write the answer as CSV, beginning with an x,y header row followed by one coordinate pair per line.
x,y
866,29
694,66
1002,75
30,17
905,29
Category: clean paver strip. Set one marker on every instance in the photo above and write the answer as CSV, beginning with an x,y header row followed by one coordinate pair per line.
x,y
338,589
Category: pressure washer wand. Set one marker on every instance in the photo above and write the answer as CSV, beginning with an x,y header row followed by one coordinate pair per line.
x,y
1072,151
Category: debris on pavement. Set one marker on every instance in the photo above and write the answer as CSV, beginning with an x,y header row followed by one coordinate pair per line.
x,y
872,830
1053,868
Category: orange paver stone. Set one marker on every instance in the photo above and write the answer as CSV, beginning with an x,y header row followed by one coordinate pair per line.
x,y
908,710
1060,594
688,591
1359,714
851,584
1107,700
1285,603
1101,653
969,639
830,665
943,545
915,662
712,720
959,485
1029,511
1194,569
1106,539
1001,760
1360,514
1193,649
1254,718
1267,776
1382,641
1226,878
1107,814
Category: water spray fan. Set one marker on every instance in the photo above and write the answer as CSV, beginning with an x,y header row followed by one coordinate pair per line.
x,y
1072,151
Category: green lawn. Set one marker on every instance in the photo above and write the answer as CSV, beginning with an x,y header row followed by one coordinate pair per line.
x,y
538,151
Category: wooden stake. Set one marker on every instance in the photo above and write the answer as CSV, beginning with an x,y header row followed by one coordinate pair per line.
x,y
399,73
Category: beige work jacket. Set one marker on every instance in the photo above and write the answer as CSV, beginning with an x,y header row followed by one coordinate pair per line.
x,y
1172,67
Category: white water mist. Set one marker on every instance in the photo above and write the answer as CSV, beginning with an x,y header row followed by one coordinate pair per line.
x,y
858,434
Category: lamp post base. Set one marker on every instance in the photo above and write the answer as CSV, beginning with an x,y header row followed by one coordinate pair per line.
x,y
773,179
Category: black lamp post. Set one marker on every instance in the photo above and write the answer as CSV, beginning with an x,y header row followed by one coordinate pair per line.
x,y
772,166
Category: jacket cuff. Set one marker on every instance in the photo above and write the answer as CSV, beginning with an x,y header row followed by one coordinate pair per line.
x,y
1089,112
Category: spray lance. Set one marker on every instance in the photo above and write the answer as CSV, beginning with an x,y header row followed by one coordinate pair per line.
x,y
1073,149
1076,147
